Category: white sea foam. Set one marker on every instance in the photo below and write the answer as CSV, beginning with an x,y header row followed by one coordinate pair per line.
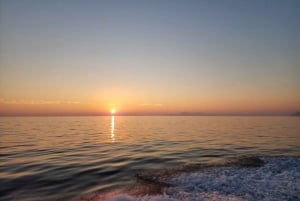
x,y
278,179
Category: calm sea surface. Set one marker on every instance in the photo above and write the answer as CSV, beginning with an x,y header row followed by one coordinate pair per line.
x,y
63,158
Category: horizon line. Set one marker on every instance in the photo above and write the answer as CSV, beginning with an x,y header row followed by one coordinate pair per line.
x,y
70,115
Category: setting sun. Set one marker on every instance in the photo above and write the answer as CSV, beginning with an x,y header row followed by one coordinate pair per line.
x,y
113,111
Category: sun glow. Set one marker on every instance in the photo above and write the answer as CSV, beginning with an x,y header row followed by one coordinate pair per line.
x,y
113,111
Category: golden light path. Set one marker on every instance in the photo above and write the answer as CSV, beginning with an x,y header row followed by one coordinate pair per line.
x,y
112,131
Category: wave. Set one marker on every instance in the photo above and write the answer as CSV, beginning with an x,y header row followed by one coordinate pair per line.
x,y
247,178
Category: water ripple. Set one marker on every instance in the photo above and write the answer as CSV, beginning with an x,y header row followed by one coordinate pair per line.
x,y
62,158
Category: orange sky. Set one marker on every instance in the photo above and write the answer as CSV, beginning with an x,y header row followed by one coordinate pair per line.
x,y
209,107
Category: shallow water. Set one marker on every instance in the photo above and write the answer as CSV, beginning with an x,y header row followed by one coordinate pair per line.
x,y
64,158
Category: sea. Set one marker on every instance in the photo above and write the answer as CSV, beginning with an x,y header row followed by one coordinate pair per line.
x,y
162,158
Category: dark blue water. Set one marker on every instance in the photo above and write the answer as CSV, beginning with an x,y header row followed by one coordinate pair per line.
x,y
64,158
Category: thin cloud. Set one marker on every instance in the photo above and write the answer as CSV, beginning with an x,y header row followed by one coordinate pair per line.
x,y
145,104
148,104
35,102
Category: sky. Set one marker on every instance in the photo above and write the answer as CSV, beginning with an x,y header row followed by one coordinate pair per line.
x,y
63,57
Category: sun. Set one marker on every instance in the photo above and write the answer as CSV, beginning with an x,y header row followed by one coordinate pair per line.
x,y
113,111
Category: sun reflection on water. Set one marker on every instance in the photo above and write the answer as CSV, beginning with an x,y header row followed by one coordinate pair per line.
x,y
112,131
